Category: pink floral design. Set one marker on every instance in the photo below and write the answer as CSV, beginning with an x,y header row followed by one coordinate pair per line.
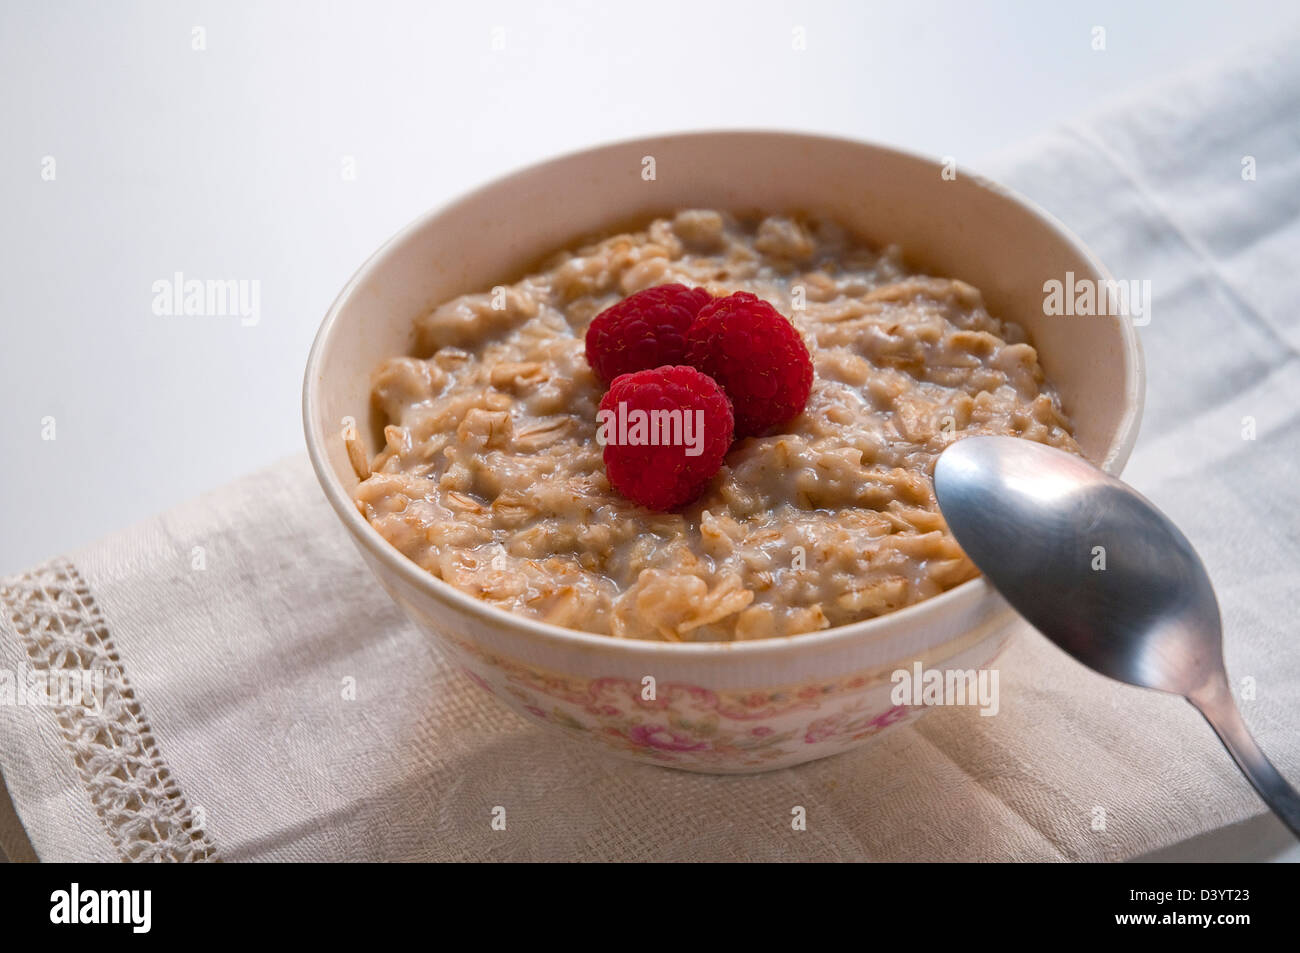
x,y
845,723
690,725
657,736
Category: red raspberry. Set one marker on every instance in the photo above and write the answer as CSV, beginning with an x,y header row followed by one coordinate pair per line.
x,y
758,357
647,329
687,447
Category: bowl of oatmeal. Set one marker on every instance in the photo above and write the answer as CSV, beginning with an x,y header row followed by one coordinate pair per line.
x,y
451,415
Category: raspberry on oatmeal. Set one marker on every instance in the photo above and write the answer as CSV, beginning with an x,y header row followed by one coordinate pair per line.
x,y
644,330
491,477
685,425
760,360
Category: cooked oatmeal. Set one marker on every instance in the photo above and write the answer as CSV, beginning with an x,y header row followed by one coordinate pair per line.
x,y
491,477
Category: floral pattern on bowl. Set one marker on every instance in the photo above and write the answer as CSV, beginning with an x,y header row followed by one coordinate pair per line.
x,y
691,726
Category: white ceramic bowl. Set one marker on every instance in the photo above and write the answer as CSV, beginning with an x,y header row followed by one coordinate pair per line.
x,y
724,707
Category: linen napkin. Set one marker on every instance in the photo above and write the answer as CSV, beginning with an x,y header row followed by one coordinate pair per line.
x,y
227,628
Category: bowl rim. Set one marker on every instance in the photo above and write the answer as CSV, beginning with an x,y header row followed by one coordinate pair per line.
x,y
967,594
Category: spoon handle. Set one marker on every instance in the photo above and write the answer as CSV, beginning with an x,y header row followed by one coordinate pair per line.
x,y
1215,702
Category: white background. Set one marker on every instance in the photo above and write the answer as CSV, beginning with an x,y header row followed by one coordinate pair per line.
x,y
227,162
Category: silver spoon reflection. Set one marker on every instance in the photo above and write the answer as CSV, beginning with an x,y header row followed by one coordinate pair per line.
x,y
1036,521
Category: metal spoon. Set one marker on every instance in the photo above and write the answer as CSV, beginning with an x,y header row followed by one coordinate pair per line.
x,y
1041,523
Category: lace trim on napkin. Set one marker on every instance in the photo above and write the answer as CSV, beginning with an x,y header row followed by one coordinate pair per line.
x,y
112,745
